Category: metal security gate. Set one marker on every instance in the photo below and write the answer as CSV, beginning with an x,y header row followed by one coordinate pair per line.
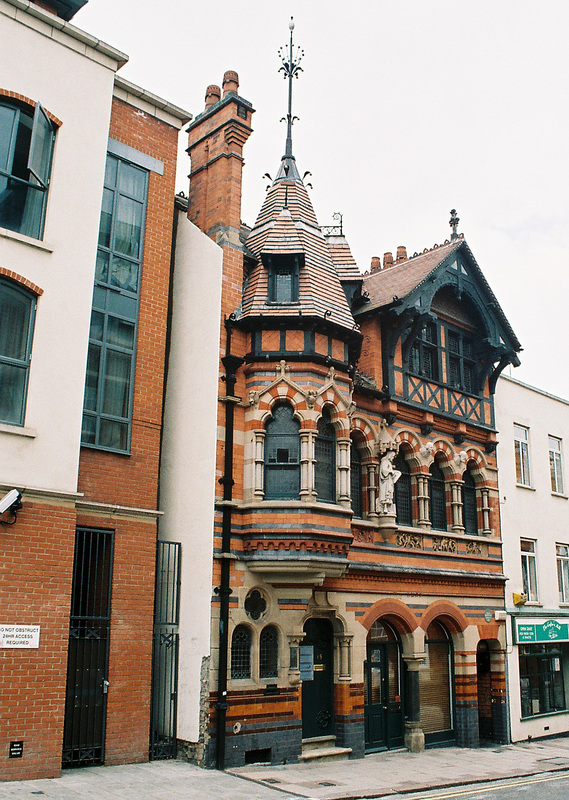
x,y
87,666
165,652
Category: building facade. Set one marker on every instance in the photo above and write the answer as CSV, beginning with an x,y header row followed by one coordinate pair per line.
x,y
358,589
88,275
533,428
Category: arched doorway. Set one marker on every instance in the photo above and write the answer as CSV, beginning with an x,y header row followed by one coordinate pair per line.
x,y
435,686
383,689
318,693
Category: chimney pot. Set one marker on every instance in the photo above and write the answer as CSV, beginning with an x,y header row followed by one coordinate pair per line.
x,y
230,82
212,95
387,260
401,254
375,264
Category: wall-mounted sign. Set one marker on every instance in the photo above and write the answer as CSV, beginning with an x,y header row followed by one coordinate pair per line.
x,y
306,662
549,631
20,636
16,750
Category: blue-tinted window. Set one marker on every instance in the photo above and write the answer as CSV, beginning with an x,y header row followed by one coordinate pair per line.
x,y
109,381
17,310
437,498
325,454
403,497
26,146
469,514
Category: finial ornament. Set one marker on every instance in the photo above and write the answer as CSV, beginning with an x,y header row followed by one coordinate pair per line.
x,y
454,220
290,58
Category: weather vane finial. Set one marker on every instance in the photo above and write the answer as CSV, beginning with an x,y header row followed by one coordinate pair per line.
x,y
291,59
454,220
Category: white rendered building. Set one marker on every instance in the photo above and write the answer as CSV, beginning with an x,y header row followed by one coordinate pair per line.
x,y
533,430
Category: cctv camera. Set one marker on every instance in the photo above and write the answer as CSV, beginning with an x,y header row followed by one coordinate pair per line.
x,y
10,501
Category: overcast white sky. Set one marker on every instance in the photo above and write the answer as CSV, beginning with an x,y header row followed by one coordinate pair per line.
x,y
407,109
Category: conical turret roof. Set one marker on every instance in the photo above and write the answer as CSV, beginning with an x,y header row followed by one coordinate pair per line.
x,y
287,225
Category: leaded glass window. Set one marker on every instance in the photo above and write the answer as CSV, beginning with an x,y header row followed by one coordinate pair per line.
x,y
17,310
403,498
325,454
26,146
283,279
356,480
437,499
107,412
282,455
269,652
241,653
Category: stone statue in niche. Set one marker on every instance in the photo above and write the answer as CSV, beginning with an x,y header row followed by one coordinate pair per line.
x,y
388,477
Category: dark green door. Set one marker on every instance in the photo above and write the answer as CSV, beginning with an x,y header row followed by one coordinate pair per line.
x,y
318,693
383,709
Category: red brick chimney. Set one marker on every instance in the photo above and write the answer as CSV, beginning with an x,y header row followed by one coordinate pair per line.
x,y
401,254
387,260
230,82
212,96
375,264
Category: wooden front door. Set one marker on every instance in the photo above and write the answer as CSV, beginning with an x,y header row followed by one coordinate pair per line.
x,y
318,693
383,708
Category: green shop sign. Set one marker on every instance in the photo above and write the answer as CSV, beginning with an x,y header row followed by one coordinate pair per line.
x,y
550,631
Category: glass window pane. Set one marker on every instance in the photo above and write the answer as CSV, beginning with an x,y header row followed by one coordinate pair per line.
x,y
106,218
97,321
283,287
124,274
88,429
22,146
132,181
12,389
120,333
15,310
128,227
7,122
102,266
113,434
111,172
92,378
117,384
41,146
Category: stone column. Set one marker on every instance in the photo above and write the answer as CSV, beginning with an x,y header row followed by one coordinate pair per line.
x,y
345,660
344,472
294,640
423,501
306,465
414,736
486,529
372,490
456,505
259,477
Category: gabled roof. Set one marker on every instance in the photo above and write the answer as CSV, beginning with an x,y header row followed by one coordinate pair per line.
x,y
406,282
287,224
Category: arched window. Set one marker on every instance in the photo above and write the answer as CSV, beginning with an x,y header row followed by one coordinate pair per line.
x,y
282,455
437,499
17,310
325,453
241,653
469,503
26,144
356,487
403,501
269,652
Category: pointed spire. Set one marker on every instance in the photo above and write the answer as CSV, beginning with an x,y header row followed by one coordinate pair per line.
x,y
290,68
454,220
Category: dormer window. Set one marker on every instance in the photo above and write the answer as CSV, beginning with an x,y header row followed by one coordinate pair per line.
x,y
283,279
423,358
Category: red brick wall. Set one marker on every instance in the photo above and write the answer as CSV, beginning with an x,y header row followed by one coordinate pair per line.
x,y
35,588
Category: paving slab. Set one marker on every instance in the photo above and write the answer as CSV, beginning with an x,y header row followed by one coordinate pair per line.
x,y
392,773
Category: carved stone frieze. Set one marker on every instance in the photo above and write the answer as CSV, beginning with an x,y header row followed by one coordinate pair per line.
x,y
474,548
363,535
444,544
412,541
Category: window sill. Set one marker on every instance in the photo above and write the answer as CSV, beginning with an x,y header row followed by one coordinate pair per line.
x,y
16,430
19,237
545,714
533,603
560,494
524,486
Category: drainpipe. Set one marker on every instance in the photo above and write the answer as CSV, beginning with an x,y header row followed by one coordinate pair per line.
x,y
231,364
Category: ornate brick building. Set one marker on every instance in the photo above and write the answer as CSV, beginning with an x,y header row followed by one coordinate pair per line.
x,y
357,552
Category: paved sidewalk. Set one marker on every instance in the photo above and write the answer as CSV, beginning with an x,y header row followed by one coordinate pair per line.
x,y
382,774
